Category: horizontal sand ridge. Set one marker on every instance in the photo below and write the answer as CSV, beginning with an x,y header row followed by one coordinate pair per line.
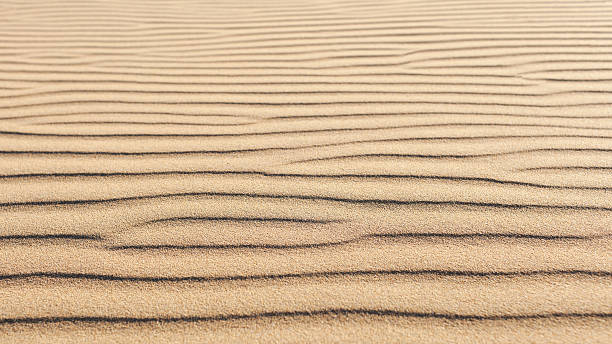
x,y
306,171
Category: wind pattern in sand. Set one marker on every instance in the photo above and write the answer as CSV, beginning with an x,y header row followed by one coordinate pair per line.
x,y
306,171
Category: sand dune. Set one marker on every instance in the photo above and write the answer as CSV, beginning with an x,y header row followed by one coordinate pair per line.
x,y
306,171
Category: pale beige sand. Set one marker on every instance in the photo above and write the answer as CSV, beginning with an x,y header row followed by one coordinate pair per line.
x,y
306,171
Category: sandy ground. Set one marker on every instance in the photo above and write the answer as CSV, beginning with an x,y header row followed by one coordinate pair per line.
x,y
306,171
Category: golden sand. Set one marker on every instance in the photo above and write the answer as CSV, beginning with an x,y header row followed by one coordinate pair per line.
x,y
306,171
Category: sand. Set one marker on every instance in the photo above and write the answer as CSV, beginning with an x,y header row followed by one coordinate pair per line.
x,y
306,171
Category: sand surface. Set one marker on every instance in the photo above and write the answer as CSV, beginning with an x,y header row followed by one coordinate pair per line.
x,y
306,171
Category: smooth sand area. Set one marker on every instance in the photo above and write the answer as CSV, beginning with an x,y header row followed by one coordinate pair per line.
x,y
306,171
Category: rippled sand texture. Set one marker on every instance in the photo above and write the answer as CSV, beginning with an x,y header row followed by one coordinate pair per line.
x,y
306,171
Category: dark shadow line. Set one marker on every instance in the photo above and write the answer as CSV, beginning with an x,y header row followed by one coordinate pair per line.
x,y
310,131
137,82
569,80
294,314
332,92
50,237
454,113
19,133
163,113
307,197
434,272
242,219
200,75
347,143
430,156
358,239
150,123
560,168
249,150
298,175
301,117
365,102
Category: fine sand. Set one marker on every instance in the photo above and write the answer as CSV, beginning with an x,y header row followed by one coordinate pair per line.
x,y
306,171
